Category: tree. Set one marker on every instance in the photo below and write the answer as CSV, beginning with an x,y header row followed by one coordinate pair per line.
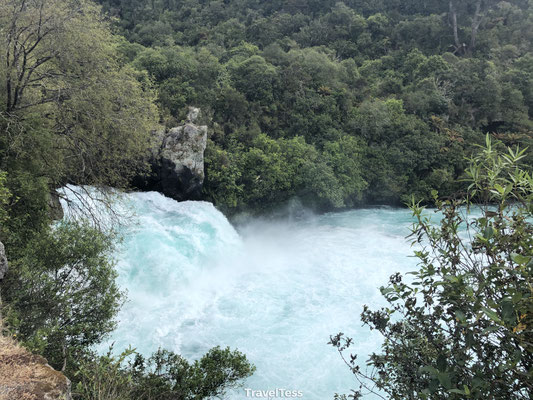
x,y
463,326
27,26
164,375
61,296
324,70
61,74
477,10
70,112
254,77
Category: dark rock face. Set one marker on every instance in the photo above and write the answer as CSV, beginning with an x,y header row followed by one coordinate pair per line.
x,y
178,161
3,262
54,206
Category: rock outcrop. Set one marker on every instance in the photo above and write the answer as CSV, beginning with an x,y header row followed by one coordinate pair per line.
x,y
178,160
26,376
3,261
55,209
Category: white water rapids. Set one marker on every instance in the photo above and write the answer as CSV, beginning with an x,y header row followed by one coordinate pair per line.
x,y
275,290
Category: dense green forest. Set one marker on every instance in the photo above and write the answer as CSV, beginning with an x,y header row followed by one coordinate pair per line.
x,y
340,103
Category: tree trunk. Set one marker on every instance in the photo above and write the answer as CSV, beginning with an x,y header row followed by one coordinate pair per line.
x,y
476,22
64,358
453,18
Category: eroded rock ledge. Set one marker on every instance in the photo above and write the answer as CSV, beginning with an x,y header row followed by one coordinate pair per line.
x,y
26,376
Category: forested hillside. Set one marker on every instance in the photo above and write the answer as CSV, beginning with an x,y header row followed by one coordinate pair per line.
x,y
340,103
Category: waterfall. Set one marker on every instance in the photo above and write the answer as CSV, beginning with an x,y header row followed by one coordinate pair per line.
x,y
274,289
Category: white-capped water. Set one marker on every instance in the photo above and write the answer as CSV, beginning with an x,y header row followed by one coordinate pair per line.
x,y
274,290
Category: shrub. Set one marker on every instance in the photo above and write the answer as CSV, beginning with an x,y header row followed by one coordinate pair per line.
x,y
463,327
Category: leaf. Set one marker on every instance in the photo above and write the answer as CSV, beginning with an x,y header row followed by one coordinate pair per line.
x,y
385,291
517,297
490,329
488,233
499,188
445,380
429,369
451,278
433,385
458,391
520,259
492,315
461,317
442,363
508,312
469,339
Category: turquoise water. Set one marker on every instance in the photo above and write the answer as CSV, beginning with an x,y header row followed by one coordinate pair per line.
x,y
276,290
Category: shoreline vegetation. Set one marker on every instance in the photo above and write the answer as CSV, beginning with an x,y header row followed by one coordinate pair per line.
x,y
339,104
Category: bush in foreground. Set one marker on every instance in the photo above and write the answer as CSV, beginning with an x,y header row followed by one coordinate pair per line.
x,y
164,375
463,326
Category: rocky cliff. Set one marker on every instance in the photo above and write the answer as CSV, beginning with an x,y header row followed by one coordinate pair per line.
x,y
177,160
26,376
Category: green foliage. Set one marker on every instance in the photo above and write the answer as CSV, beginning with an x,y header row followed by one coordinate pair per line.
x,y
268,171
462,327
104,377
5,196
70,112
67,105
61,293
164,375
253,77
27,211
338,103
344,156
77,107
378,71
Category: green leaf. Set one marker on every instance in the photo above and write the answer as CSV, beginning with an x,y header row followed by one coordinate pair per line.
x,y
458,391
461,317
469,339
492,315
429,369
520,259
433,385
445,380
517,297
508,312
442,363
499,188
385,291
488,232
491,328
451,278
